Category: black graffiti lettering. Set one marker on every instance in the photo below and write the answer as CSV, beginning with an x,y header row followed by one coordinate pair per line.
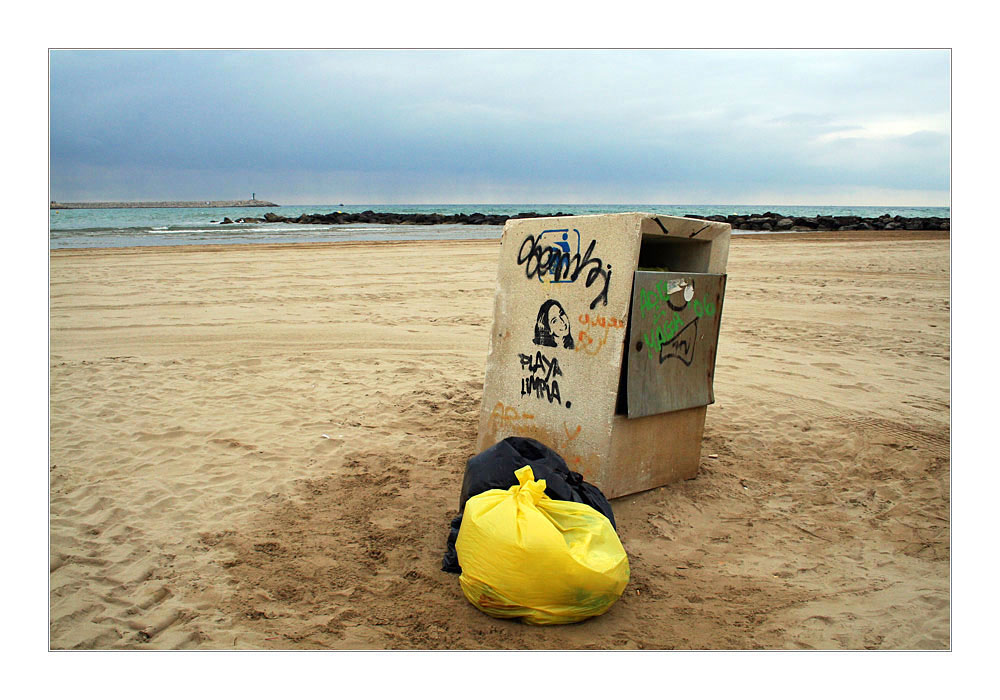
x,y
541,380
558,263
539,362
539,260
532,258
541,388
592,276
682,346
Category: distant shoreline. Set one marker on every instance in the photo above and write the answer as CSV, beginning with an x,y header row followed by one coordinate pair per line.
x,y
200,204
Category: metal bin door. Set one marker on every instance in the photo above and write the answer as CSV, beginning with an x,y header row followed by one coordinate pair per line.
x,y
673,341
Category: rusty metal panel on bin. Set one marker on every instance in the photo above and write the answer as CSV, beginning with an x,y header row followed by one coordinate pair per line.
x,y
673,341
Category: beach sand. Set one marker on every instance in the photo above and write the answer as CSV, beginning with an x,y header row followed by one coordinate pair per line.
x,y
261,447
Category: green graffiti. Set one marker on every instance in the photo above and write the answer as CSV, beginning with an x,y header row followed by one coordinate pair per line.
x,y
663,331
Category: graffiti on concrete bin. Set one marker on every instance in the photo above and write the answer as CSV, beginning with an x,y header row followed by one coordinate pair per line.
x,y
552,326
670,336
682,346
507,420
601,321
650,300
600,327
556,262
589,345
564,244
541,381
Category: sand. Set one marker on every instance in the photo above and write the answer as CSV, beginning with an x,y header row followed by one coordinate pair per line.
x,y
260,447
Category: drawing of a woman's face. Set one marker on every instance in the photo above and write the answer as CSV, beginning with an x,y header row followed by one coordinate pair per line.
x,y
552,327
558,323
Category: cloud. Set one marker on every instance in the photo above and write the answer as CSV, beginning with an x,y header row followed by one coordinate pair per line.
x,y
938,124
447,123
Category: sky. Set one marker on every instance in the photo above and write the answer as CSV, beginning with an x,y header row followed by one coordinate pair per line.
x,y
810,127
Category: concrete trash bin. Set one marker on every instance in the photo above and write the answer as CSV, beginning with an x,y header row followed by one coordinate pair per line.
x,y
604,339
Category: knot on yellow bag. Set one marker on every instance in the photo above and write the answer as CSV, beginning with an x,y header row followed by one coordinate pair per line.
x,y
528,490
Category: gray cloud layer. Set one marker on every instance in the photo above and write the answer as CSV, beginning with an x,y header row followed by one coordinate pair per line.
x,y
405,126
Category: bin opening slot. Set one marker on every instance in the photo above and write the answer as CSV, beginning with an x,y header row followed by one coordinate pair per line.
x,y
671,254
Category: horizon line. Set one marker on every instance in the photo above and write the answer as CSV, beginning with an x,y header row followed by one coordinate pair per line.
x,y
496,204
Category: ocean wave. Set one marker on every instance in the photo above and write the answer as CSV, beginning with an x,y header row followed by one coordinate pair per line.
x,y
261,233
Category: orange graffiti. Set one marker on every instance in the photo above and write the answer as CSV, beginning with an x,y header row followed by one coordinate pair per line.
x,y
506,421
508,416
589,344
601,321
589,466
586,343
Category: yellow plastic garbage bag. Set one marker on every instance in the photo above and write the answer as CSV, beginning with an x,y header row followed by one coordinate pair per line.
x,y
526,555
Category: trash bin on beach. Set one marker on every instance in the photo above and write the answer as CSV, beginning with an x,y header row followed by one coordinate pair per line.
x,y
604,339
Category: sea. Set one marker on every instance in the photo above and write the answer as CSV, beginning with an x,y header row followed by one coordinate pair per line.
x,y
125,228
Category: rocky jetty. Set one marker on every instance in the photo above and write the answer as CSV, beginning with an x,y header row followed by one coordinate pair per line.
x,y
371,217
768,221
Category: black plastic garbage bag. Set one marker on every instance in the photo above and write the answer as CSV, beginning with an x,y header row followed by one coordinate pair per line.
x,y
494,468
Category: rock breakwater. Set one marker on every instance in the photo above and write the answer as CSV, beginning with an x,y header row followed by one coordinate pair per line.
x,y
771,221
768,221
372,217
